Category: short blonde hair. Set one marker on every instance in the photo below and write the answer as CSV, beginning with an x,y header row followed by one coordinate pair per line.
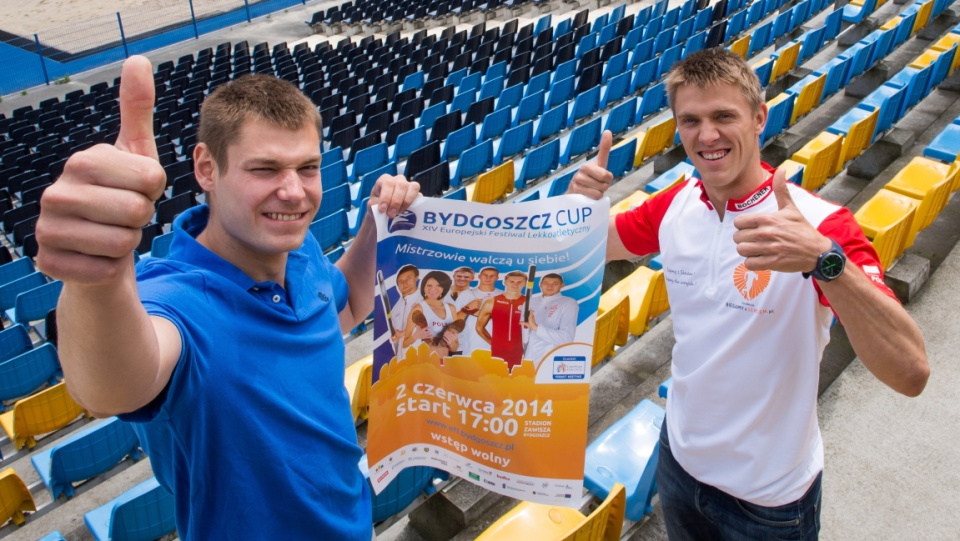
x,y
712,67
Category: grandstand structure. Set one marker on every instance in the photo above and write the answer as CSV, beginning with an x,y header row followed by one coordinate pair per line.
x,y
500,102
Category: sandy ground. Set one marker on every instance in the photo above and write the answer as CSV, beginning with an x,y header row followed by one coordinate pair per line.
x,y
74,24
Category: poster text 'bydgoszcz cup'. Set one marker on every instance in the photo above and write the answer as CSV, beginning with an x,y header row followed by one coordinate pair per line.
x,y
483,336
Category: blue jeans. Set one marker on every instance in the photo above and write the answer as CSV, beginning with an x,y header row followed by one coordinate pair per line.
x,y
694,511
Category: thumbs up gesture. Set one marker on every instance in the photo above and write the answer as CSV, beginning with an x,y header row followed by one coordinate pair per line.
x,y
784,240
593,179
90,218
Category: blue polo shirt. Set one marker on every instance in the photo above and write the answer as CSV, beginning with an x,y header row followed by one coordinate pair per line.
x,y
253,435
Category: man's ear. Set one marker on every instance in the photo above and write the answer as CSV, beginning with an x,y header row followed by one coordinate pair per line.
x,y
205,167
761,117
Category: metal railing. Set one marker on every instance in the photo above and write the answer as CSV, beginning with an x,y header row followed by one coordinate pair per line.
x,y
54,55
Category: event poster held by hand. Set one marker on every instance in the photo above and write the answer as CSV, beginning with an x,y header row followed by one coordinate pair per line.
x,y
483,340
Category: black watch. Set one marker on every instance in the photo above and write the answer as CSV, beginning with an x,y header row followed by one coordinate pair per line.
x,y
830,264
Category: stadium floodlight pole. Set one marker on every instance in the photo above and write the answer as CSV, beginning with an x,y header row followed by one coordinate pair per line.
x,y
386,309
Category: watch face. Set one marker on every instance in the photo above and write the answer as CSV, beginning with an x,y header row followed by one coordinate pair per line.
x,y
832,265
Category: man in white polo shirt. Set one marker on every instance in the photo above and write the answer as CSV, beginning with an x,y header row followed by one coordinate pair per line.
x,y
756,269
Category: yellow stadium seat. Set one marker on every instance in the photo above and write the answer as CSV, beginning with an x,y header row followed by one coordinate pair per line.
x,y
493,185
631,201
820,158
741,46
657,139
808,99
15,498
605,334
358,377
923,17
927,57
534,521
944,44
647,291
786,60
41,413
886,219
928,182
858,138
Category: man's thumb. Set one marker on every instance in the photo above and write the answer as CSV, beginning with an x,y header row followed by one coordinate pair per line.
x,y
136,108
603,155
781,191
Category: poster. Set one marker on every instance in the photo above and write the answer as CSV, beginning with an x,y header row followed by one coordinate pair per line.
x,y
483,335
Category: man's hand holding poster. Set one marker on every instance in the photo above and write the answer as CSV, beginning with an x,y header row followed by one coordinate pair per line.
x,y
483,337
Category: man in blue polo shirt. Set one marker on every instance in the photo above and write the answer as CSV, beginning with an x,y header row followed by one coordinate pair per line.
x,y
229,353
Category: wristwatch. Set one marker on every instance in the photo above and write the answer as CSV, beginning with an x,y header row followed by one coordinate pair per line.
x,y
830,264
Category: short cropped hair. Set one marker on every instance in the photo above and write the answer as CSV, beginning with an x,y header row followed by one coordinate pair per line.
x,y
715,66
442,279
261,97
409,268
552,275
521,274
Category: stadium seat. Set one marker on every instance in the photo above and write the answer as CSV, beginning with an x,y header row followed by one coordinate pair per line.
x,y
409,484
664,389
550,123
473,161
433,181
621,117
607,329
16,269
33,305
25,373
330,230
369,159
886,219
14,340
408,142
358,377
930,183
514,141
493,185
631,201
656,139
821,159
538,163
779,112
15,498
458,141
621,156
856,127
625,455
143,513
584,105
161,245
808,92
538,521
647,291
669,178
88,453
944,147
43,412
582,139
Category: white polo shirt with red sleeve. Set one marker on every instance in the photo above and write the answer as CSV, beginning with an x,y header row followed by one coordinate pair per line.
x,y
742,411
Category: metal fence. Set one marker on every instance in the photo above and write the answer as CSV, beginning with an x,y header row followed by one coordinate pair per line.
x,y
52,55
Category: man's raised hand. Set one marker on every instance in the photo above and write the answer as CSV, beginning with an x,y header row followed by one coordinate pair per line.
x,y
91,217
782,241
593,179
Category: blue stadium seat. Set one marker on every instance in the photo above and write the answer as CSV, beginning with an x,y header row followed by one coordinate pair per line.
x,y
473,161
408,142
16,269
361,190
551,123
410,483
561,92
143,513
945,145
514,141
333,174
664,389
615,90
584,105
10,290
651,102
369,159
889,100
334,199
627,453
14,340
458,141
510,97
495,124
330,230
25,373
645,74
86,454
857,13
538,163
621,158
161,245
583,139
621,117
530,107
559,185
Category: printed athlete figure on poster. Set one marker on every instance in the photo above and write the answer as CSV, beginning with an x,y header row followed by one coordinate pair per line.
x,y
552,320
